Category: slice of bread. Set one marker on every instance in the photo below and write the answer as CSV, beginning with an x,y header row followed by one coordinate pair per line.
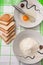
x,y
6,19
7,31
8,26
7,38
8,34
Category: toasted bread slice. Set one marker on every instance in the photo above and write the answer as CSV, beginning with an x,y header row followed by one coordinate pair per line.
x,y
8,34
7,31
8,26
6,19
7,38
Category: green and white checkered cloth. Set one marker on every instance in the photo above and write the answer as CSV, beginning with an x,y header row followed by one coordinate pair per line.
x,y
6,51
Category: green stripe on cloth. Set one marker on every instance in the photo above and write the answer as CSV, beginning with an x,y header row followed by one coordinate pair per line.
x,y
42,62
41,31
1,2
9,2
41,1
1,12
13,2
41,27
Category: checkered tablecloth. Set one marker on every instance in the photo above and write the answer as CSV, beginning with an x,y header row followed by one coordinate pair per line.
x,y
7,56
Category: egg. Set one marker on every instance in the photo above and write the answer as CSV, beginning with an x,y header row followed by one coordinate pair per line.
x,y
25,18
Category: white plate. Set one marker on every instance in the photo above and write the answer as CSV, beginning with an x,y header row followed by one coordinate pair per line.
x,y
38,16
16,49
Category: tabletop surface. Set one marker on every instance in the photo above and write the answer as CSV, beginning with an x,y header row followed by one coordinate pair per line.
x,y
7,56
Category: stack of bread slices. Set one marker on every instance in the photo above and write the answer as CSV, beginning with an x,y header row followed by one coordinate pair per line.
x,y
7,28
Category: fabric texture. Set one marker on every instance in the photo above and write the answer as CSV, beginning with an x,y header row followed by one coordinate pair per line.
x,y
6,51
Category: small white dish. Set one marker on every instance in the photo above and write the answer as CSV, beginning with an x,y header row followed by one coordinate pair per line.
x,y
17,51
36,14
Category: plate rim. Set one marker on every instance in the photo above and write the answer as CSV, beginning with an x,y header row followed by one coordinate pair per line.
x,y
23,61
